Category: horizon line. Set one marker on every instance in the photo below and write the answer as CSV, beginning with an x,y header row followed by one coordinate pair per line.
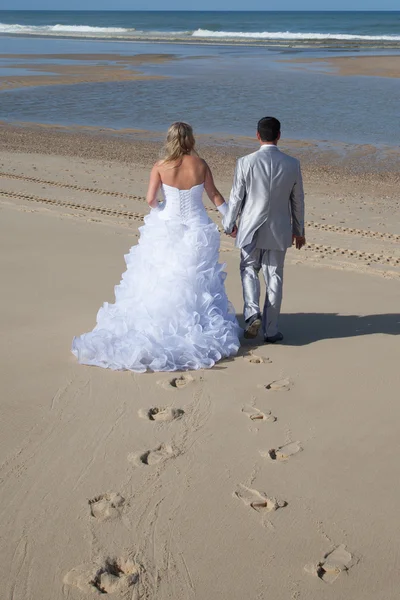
x,y
347,10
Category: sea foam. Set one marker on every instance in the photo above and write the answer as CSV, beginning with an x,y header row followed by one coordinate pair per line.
x,y
288,35
43,29
198,34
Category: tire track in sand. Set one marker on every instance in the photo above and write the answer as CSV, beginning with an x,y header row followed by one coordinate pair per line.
x,y
311,224
320,249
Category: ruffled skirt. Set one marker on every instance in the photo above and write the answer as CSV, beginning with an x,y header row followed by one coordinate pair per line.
x,y
171,311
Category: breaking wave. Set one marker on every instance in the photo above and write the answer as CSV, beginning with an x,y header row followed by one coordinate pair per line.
x,y
287,35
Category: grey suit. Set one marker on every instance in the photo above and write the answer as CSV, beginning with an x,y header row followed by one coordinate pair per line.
x,y
268,198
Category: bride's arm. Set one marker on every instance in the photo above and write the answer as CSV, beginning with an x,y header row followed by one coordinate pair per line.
x,y
154,186
213,193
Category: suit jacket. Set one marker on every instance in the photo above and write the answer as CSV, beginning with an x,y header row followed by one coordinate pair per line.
x,y
268,196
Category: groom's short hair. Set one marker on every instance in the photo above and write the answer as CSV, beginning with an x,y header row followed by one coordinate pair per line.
x,y
269,129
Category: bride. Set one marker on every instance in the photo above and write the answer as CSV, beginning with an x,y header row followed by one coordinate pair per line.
x,y
171,311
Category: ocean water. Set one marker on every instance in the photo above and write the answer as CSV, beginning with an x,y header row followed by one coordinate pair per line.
x,y
220,87
354,29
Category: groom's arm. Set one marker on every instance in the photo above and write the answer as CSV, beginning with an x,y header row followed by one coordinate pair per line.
x,y
236,199
297,205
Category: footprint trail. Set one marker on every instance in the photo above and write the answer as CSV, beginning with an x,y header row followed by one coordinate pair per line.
x,y
165,415
283,453
334,563
107,506
113,576
254,414
153,457
258,501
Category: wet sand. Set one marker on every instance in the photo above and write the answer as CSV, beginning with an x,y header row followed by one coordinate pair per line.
x,y
136,59
364,164
372,66
69,74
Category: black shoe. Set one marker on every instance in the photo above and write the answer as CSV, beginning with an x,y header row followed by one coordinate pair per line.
x,y
252,327
278,337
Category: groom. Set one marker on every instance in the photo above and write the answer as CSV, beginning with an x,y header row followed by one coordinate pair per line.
x,y
268,196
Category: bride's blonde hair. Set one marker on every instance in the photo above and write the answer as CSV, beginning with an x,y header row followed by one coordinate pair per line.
x,y
180,141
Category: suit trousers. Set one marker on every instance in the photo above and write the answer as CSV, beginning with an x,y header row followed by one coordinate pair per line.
x,y
271,262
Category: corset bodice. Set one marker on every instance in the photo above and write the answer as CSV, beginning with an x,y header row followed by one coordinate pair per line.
x,y
183,205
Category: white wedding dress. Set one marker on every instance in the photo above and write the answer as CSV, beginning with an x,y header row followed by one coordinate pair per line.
x,y
171,311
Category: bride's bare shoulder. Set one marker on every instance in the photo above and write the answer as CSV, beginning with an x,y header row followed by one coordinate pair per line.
x,y
190,160
196,159
197,162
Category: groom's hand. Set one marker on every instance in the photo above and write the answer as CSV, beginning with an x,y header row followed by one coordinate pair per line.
x,y
234,232
299,241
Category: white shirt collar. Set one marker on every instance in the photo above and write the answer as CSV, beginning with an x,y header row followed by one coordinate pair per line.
x,y
268,146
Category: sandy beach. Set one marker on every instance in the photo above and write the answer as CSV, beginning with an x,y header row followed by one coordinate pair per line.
x,y
272,475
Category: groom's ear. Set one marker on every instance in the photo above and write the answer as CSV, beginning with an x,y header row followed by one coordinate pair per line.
x,y
258,137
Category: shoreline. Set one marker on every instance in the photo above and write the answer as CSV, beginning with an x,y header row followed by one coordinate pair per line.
x,y
152,90
306,44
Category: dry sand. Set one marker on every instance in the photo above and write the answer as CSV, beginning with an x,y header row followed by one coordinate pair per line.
x,y
233,486
375,66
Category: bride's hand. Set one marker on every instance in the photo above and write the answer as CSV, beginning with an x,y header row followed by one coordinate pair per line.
x,y
159,206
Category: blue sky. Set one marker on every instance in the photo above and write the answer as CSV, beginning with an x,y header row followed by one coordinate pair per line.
x,y
200,5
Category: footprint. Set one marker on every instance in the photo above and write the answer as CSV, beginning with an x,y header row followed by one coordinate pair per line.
x,y
256,360
283,452
106,506
259,501
161,414
256,415
334,562
115,575
281,385
177,382
153,457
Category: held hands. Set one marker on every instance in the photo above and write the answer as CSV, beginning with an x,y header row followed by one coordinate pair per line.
x,y
233,234
299,241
